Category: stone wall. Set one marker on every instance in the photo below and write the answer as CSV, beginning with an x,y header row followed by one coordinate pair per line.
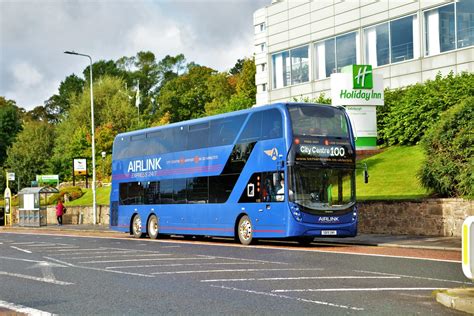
x,y
80,215
432,217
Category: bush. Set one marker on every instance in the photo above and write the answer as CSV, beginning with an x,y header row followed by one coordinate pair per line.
x,y
450,147
73,193
408,113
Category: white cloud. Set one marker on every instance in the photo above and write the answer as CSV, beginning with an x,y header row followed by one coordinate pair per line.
x,y
34,35
26,74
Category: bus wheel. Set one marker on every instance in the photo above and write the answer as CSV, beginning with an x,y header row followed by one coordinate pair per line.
x,y
137,226
245,231
153,227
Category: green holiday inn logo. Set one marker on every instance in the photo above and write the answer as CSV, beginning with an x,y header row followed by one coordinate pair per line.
x,y
362,85
362,77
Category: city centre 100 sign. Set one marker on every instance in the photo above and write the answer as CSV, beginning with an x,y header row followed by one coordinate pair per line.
x,y
323,150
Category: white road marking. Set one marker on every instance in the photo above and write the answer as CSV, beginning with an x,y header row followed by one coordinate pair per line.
x,y
20,309
25,243
28,260
50,248
243,259
98,269
94,253
413,277
24,250
182,265
375,289
136,260
231,270
300,278
130,255
49,244
29,277
77,249
279,247
290,298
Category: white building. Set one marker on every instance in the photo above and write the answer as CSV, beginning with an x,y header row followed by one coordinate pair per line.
x,y
299,43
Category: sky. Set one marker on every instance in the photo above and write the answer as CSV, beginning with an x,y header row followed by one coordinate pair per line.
x,y
35,33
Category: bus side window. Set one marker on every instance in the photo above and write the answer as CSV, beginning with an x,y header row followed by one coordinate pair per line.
x,y
253,129
198,136
272,124
224,131
166,191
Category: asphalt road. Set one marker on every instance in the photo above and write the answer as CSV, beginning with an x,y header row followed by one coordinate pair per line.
x,y
77,275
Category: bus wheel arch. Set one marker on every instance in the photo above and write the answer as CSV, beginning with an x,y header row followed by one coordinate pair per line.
x,y
244,229
136,226
153,226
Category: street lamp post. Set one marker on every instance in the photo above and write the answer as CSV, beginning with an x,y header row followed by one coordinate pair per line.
x,y
94,203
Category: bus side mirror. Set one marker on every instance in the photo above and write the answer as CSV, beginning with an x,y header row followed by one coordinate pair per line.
x,y
366,176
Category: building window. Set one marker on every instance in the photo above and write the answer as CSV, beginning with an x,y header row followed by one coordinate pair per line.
x,y
449,27
281,69
465,23
392,42
264,87
377,45
290,67
335,53
401,39
263,66
262,47
260,28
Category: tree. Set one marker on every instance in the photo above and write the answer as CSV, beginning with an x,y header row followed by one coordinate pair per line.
x,y
58,105
185,97
449,147
102,68
221,88
29,156
39,113
237,69
246,81
10,125
113,113
410,112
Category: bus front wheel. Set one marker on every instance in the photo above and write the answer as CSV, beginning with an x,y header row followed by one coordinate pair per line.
x,y
137,226
245,230
153,227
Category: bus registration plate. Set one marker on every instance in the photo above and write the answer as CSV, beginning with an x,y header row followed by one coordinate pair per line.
x,y
329,232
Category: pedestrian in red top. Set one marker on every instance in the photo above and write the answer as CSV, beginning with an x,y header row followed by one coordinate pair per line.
x,y
59,212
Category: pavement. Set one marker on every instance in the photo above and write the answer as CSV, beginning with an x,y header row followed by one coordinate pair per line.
x,y
461,299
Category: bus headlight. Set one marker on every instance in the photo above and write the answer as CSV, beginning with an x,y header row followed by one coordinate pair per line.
x,y
295,210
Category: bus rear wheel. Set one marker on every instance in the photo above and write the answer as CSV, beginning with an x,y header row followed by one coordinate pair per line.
x,y
152,228
137,226
245,230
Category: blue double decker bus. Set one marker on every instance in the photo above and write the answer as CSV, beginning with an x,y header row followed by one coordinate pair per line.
x,y
285,170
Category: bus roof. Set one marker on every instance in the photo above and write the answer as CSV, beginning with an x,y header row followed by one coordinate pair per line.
x,y
280,105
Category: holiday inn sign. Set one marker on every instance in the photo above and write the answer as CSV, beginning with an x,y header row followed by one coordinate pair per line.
x,y
357,85
360,91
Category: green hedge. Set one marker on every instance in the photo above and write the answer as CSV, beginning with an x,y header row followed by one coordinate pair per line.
x,y
449,146
409,112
